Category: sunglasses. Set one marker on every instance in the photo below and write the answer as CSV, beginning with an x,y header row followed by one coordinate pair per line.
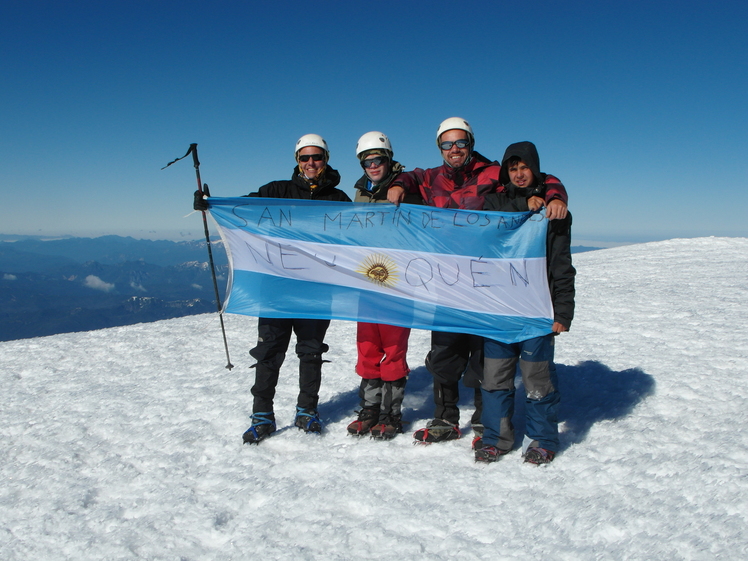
x,y
315,157
373,162
447,144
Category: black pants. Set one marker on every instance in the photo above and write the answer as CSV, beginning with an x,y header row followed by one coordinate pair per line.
x,y
273,338
454,356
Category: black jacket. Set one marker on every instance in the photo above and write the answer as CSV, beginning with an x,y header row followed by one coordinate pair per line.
x,y
299,188
561,272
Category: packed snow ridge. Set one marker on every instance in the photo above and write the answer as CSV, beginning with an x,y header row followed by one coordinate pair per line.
x,y
125,443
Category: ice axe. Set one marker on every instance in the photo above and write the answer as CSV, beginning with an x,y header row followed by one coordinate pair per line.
x,y
203,189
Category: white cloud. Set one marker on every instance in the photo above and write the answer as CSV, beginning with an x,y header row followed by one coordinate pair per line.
x,y
8,276
92,281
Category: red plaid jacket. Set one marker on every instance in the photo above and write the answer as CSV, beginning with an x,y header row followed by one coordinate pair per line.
x,y
466,188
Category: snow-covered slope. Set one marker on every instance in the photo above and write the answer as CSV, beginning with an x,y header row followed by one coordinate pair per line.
x,y
126,443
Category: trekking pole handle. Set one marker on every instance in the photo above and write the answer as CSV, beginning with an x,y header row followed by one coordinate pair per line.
x,y
196,163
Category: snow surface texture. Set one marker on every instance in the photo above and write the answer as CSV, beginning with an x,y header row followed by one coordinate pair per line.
x,y
126,443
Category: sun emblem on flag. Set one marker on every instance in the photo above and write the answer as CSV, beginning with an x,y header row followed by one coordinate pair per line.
x,y
379,269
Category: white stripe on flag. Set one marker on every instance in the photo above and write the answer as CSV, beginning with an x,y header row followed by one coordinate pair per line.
x,y
422,267
516,287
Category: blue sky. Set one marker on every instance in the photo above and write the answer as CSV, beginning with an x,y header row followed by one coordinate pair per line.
x,y
638,107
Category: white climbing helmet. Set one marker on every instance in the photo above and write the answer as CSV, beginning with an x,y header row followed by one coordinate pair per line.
x,y
455,123
373,140
312,140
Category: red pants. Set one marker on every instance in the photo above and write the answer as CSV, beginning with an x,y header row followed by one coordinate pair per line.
x,y
382,351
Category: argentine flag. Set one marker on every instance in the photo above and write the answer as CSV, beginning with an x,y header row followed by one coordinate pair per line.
x,y
461,271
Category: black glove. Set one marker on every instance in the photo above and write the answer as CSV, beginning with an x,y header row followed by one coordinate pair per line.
x,y
200,203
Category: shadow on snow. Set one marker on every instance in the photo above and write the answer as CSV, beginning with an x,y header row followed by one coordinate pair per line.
x,y
590,393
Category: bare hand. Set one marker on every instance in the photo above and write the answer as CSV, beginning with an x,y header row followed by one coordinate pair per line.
x,y
558,328
556,210
535,203
395,195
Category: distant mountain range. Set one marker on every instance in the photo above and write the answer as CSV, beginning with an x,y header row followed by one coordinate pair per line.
x,y
79,284
583,248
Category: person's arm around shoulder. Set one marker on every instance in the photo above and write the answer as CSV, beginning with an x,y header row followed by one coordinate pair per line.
x,y
395,194
407,183
556,199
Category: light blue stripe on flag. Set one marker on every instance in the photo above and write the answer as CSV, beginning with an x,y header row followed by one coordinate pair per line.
x,y
421,267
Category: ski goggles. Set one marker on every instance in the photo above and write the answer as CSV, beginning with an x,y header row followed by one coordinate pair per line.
x,y
373,162
315,157
447,144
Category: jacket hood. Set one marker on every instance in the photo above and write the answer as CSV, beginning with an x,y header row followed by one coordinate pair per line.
x,y
528,153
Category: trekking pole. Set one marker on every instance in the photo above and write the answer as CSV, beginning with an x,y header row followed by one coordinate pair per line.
x,y
196,162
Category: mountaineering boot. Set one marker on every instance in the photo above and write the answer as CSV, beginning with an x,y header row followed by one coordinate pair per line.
x,y
390,415
387,427
370,392
477,437
539,456
487,453
308,420
263,425
367,417
437,430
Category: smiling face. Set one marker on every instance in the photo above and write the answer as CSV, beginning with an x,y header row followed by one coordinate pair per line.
x,y
520,174
311,168
377,172
455,156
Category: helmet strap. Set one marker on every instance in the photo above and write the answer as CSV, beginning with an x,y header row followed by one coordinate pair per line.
x,y
312,180
467,160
